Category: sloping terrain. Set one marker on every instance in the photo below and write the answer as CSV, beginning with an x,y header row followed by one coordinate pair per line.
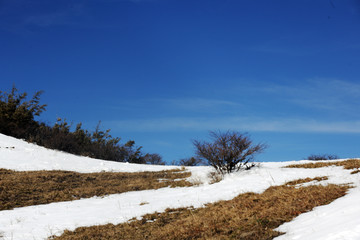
x,y
337,220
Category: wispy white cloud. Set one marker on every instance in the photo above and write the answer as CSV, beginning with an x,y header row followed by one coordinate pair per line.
x,y
59,17
199,103
278,49
235,123
181,104
326,94
73,13
24,17
319,96
289,45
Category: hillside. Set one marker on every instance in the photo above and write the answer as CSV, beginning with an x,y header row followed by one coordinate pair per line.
x,y
337,220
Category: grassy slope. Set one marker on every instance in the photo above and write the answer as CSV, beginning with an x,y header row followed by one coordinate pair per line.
x,y
248,216
19,189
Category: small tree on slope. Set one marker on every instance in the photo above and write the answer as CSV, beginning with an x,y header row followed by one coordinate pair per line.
x,y
229,151
17,114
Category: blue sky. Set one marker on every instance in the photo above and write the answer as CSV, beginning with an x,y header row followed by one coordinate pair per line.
x,y
165,72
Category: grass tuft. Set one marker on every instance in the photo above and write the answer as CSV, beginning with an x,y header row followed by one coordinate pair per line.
x,y
305,180
248,216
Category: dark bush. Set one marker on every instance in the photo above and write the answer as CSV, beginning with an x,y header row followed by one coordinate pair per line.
x,y
98,144
17,114
192,161
229,151
317,157
153,158
17,120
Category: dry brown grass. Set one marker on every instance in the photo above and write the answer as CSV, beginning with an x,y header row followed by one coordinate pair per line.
x,y
215,177
347,164
19,189
305,180
248,216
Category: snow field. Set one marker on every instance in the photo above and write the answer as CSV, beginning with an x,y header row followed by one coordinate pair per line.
x,y
338,220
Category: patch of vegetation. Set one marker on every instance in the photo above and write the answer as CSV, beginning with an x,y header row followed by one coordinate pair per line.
x,y
248,216
17,115
191,161
19,189
305,180
318,157
229,151
215,177
347,164
17,119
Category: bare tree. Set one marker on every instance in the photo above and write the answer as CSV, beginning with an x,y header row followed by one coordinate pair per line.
x,y
229,151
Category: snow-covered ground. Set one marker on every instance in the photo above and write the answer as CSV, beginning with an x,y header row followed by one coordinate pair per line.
x,y
338,220
22,156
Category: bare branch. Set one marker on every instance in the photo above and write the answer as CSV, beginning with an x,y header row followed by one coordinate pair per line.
x,y
229,151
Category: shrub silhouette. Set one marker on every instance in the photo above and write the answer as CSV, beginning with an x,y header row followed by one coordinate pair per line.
x,y
17,115
192,161
317,157
153,158
229,151
17,120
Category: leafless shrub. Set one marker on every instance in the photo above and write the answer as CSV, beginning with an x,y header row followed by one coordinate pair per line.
x,y
229,151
